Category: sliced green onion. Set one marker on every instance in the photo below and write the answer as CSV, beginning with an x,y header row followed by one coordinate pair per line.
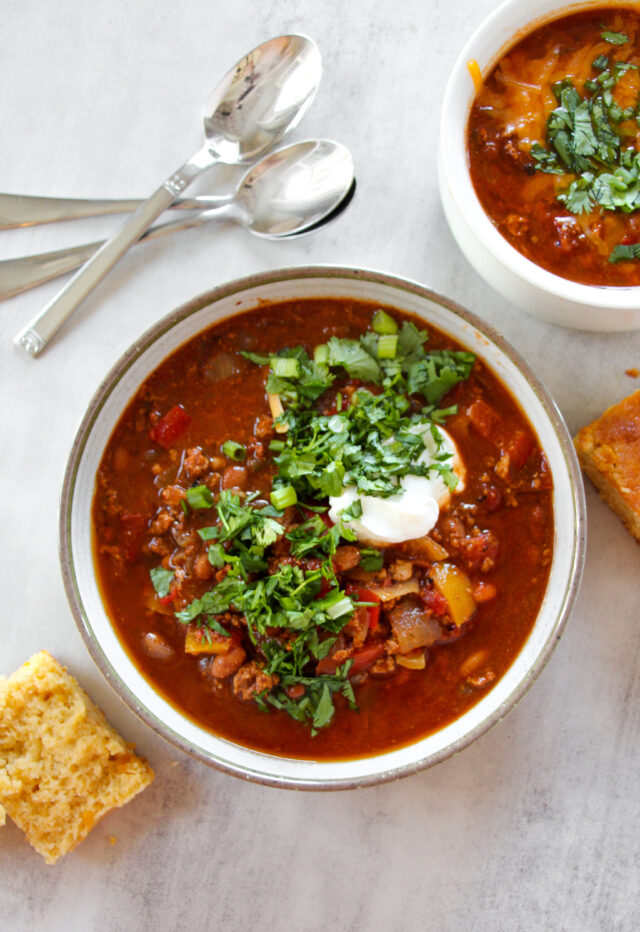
x,y
283,497
344,606
285,368
200,496
383,323
321,355
387,346
235,451
276,445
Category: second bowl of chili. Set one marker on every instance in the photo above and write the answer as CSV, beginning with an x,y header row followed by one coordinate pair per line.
x,y
537,159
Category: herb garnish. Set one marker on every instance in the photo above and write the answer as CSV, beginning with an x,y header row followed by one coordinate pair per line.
x,y
375,439
586,137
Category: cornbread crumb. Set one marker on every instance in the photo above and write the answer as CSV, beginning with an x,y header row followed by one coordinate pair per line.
x,y
609,453
112,839
632,373
62,766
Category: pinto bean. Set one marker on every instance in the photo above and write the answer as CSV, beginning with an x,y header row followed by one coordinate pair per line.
x,y
224,665
155,646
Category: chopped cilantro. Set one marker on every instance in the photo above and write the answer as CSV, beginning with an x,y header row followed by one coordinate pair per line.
x,y
200,496
162,581
615,38
216,626
624,253
585,138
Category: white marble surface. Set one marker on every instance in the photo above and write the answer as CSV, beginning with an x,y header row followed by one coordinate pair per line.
x,y
533,827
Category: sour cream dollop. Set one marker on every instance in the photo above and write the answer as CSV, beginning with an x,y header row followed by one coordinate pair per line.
x,y
414,510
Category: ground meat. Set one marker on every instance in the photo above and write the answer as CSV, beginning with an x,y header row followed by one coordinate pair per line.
x,y
401,570
172,495
345,558
263,428
195,463
385,666
357,627
251,679
479,551
202,568
161,523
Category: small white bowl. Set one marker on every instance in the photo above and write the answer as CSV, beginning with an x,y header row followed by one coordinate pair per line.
x,y
102,416
541,293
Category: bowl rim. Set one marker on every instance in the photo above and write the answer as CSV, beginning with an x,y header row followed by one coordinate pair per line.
x,y
338,273
455,165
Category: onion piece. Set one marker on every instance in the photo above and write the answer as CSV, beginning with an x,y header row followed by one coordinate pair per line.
x,y
413,626
424,548
395,590
277,410
415,660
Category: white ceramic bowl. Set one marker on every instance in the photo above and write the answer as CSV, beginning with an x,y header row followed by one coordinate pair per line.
x,y
102,416
555,299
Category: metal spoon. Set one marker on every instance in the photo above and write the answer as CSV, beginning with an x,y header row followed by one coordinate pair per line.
x,y
292,191
261,99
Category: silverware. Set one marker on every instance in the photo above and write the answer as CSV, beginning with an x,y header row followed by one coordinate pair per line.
x,y
25,210
261,99
289,192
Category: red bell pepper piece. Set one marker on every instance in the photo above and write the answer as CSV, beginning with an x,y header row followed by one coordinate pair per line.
x,y
366,595
170,426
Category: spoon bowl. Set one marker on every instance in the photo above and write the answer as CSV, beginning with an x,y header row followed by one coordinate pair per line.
x,y
294,189
262,99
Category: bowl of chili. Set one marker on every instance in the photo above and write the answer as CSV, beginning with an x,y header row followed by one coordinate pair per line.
x,y
538,170
321,527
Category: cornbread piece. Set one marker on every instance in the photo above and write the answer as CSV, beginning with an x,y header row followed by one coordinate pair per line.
x,y
609,453
62,766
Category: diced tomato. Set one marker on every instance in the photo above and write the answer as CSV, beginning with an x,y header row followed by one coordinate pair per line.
x,y
132,530
366,657
166,599
170,426
435,601
325,586
519,447
485,420
362,658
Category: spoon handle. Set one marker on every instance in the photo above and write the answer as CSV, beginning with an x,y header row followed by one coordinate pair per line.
x,y
26,210
35,336
19,275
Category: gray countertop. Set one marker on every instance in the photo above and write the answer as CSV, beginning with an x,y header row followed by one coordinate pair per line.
x,y
535,826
